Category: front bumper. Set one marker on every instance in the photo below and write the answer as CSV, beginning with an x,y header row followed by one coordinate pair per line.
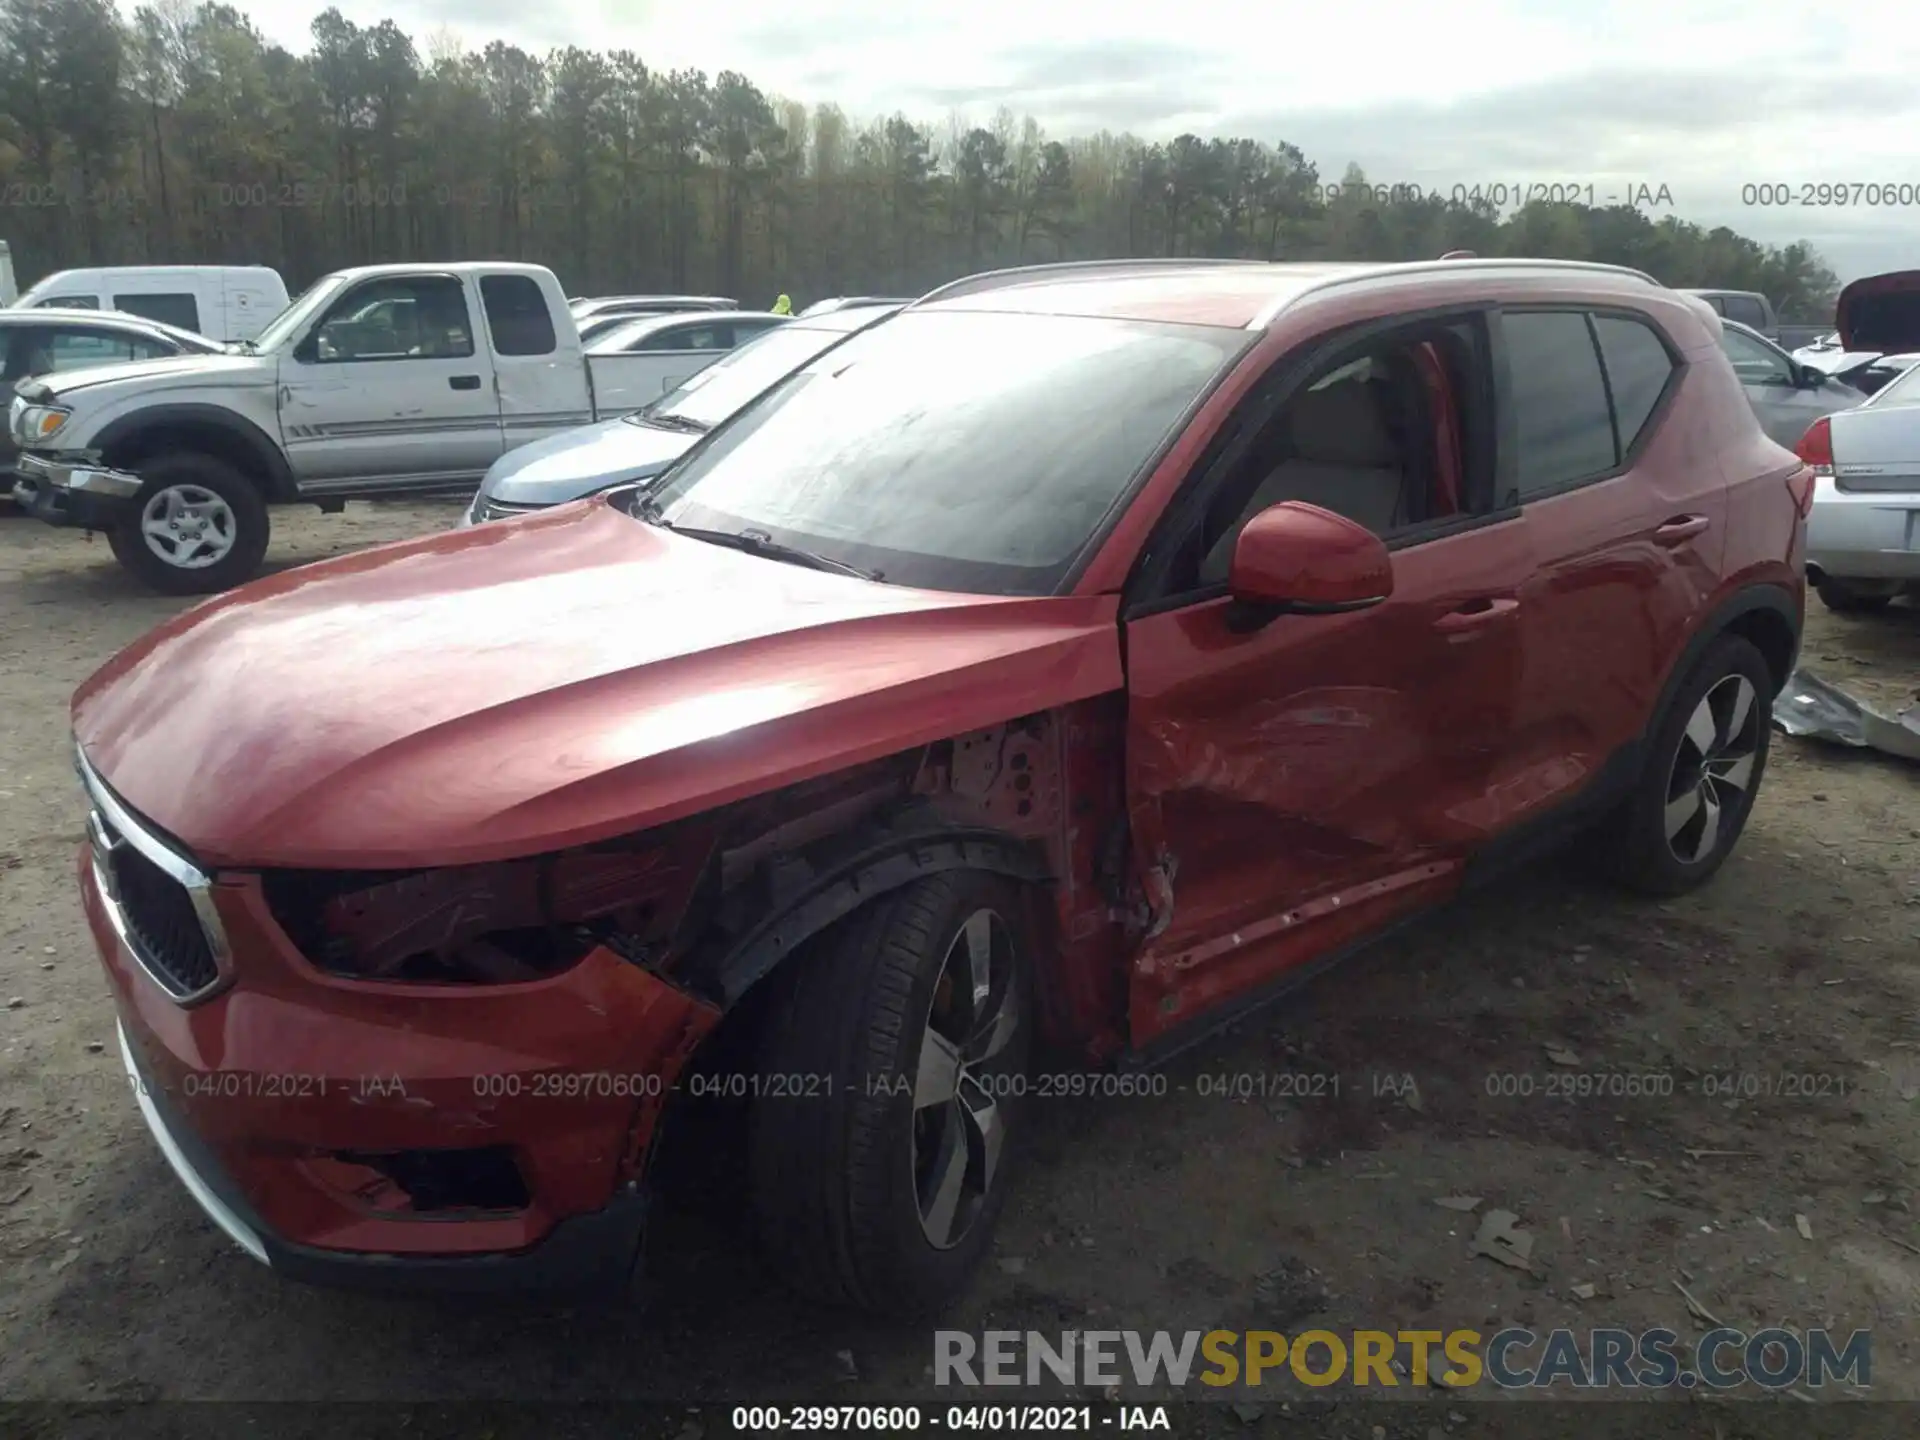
x,y
281,1096
1863,534
88,497
587,1252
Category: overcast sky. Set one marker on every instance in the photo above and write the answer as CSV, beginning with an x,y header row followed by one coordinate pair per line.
x,y
1699,96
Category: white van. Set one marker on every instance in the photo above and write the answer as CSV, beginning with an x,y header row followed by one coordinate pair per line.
x,y
222,302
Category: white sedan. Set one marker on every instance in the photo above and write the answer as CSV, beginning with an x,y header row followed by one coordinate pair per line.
x,y
1863,538
679,346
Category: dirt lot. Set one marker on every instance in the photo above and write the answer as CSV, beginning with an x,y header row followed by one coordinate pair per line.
x,y
1184,1211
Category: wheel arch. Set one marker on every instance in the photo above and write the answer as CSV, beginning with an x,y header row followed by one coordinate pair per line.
x,y
813,889
1765,614
206,428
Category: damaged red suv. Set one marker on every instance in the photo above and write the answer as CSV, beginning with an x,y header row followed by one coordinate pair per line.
x,y
1074,659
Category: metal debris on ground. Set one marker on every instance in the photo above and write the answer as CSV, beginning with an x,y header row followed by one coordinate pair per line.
x,y
1463,1203
1804,1226
1500,1238
1560,1055
1695,1308
1809,706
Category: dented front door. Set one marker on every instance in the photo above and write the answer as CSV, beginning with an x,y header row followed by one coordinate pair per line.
x,y
1293,788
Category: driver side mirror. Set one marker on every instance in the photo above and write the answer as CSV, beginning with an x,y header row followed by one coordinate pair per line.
x,y
1295,558
1808,378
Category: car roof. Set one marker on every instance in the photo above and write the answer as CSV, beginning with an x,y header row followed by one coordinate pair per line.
x,y
637,326
847,318
691,302
111,319
1240,294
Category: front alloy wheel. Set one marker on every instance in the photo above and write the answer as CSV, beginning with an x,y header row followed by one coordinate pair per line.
x,y
888,1099
958,1131
188,526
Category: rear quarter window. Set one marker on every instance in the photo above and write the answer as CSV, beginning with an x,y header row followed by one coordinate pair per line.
x,y
1563,424
1638,372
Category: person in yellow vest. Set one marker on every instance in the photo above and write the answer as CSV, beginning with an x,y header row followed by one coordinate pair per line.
x,y
783,306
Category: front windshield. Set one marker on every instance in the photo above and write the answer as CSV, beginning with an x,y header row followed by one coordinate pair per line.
x,y
297,314
726,385
953,450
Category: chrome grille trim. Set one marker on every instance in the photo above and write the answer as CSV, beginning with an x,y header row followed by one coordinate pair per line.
x,y
111,825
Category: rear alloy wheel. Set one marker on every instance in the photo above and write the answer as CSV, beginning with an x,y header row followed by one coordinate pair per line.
x,y
1713,768
198,526
1701,776
887,1096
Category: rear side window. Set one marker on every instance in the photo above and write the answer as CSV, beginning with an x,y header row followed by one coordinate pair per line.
x,y
178,310
1564,428
1638,369
1745,309
68,302
517,315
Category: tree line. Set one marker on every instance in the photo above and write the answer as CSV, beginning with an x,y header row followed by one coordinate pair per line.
x,y
183,135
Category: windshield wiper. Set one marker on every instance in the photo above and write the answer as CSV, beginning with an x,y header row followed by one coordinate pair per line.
x,y
669,421
756,542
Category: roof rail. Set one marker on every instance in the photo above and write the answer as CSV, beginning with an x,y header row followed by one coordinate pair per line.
x,y
1361,274
1073,270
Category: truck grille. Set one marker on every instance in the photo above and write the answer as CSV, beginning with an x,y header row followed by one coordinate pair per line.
x,y
157,899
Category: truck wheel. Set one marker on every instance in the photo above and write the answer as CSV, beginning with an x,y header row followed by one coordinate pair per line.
x,y
887,1094
1846,599
198,525
1701,775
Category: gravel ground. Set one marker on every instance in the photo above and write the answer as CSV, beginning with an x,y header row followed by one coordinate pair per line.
x,y
1183,1211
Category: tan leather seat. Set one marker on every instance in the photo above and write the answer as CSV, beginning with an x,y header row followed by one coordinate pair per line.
x,y
1341,455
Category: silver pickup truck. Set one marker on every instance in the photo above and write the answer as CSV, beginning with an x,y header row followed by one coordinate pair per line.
x,y
381,381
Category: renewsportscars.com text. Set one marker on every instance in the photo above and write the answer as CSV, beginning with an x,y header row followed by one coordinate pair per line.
x,y
1515,1358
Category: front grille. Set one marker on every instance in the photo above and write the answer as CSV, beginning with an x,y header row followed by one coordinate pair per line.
x,y
158,900
163,923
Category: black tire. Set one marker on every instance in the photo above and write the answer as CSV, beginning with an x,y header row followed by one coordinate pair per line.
x,y
837,1168
1636,846
243,503
1844,599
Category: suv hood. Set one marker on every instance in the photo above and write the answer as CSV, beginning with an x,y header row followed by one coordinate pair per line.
x,y
580,462
172,372
1880,314
532,684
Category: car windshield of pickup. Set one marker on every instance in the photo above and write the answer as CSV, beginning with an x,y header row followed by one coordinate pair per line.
x,y
952,450
290,320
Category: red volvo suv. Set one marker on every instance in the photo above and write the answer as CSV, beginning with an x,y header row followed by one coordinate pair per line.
x,y
1076,658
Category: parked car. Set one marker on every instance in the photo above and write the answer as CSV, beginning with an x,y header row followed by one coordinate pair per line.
x,y
1786,395
1863,538
1082,653
641,445
223,302
34,343
597,306
9,290
1877,334
851,302
678,347
376,382
1749,307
